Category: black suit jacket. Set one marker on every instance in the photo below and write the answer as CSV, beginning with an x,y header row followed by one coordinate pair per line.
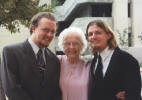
x,y
123,74
2,95
21,77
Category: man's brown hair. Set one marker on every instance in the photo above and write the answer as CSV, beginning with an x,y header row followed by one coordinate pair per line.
x,y
103,25
36,18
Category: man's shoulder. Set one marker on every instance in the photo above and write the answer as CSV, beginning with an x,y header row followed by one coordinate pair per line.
x,y
87,59
51,54
124,55
123,52
15,45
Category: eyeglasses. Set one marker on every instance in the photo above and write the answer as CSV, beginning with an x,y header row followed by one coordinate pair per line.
x,y
48,30
73,44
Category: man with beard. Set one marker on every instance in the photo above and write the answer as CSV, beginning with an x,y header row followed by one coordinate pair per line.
x,y
29,70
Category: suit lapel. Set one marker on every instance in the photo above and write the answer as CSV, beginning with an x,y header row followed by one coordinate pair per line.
x,y
112,64
31,59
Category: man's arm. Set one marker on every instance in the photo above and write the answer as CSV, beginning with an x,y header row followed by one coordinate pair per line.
x,y
2,95
10,77
132,79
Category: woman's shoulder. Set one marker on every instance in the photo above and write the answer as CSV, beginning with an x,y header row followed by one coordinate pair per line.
x,y
61,57
87,59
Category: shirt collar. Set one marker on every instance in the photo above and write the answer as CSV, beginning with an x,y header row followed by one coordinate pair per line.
x,y
105,53
34,46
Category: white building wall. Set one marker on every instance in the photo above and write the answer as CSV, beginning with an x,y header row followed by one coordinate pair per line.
x,y
120,20
136,22
6,38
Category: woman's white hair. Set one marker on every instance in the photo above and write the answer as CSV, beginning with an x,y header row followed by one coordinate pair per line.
x,y
72,30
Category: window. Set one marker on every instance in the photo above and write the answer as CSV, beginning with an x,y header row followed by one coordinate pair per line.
x,y
102,10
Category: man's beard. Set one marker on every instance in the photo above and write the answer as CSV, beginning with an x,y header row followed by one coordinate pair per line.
x,y
41,45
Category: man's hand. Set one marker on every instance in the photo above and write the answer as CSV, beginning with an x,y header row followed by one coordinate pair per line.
x,y
121,95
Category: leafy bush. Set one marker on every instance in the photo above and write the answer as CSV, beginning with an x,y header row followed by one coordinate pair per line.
x,y
141,65
13,13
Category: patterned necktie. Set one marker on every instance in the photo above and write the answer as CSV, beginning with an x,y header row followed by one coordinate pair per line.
x,y
41,63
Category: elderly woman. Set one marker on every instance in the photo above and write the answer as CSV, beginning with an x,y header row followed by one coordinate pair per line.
x,y
74,71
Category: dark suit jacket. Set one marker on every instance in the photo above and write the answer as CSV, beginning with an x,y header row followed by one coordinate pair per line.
x,y
21,77
123,73
2,95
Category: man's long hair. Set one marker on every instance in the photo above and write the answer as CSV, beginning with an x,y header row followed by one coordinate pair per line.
x,y
112,44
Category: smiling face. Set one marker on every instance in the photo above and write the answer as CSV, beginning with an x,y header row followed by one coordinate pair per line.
x,y
72,46
43,33
98,38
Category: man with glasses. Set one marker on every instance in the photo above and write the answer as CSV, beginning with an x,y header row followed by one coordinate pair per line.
x,y
29,70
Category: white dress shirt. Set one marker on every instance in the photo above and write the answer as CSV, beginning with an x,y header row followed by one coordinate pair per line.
x,y
36,48
106,55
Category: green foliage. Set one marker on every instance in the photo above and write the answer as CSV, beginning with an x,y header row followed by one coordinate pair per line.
x,y
140,64
16,12
123,38
140,37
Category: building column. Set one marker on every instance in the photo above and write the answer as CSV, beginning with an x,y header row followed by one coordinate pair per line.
x,y
120,21
87,11
136,17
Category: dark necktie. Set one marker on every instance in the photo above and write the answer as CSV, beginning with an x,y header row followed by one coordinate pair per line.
x,y
98,72
96,83
41,63
98,78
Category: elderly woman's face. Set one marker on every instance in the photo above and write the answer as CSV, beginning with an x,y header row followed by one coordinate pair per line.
x,y
72,45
